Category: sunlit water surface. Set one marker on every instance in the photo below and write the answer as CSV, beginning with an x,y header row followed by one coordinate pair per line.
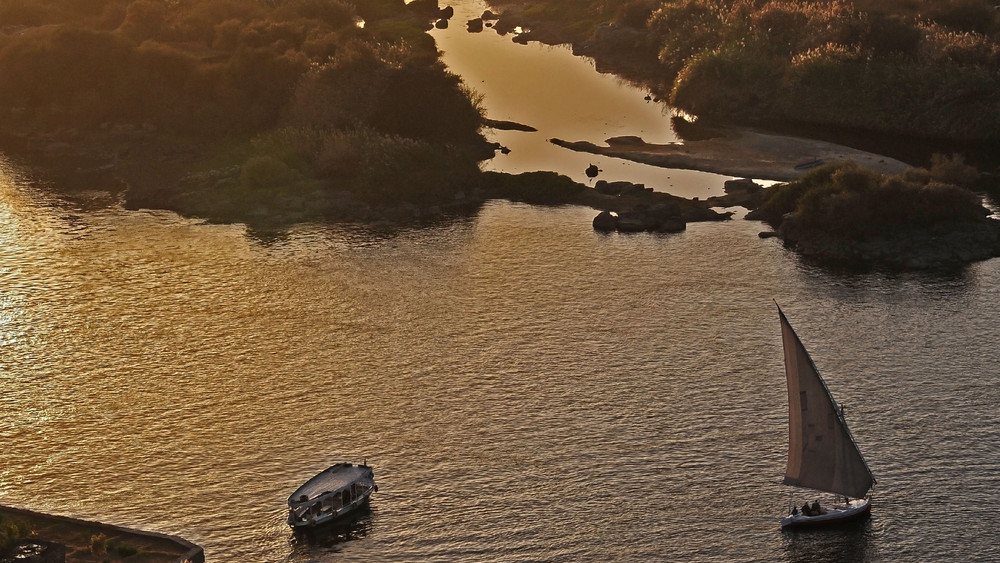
x,y
526,389
562,97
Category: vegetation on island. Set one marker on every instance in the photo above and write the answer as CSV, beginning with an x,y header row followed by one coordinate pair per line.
x,y
35,536
925,217
921,68
304,100
11,531
914,68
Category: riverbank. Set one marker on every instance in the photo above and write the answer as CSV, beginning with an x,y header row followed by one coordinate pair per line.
x,y
922,71
741,152
83,540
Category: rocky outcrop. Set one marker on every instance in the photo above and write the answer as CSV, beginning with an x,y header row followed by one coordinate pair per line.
x,y
620,188
663,218
740,192
507,125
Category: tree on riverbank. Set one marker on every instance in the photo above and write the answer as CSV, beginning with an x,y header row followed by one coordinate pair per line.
x,y
336,96
923,68
845,214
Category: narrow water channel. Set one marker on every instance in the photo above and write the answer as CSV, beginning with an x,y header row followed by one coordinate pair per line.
x,y
561,96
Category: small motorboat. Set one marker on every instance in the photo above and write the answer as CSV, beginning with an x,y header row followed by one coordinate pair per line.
x,y
331,494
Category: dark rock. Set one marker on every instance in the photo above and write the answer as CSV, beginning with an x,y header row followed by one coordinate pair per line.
x,y
606,221
592,171
742,185
621,188
507,125
503,26
634,223
441,23
671,225
607,188
488,15
659,218
475,25
446,12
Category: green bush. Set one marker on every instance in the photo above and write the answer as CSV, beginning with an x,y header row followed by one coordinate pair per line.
x,y
878,66
99,544
635,13
12,531
892,35
383,90
369,109
532,187
953,170
331,12
426,102
849,202
782,199
395,169
374,10
977,16
265,172
732,82
685,29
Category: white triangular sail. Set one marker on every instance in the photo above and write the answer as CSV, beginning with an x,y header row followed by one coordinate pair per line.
x,y
822,454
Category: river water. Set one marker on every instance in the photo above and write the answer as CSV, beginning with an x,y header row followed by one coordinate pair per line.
x,y
563,97
526,389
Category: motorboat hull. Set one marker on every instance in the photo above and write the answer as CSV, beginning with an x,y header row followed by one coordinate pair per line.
x,y
328,517
333,494
836,514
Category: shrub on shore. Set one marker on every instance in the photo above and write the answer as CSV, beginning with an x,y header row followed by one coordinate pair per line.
x,y
829,63
532,187
847,202
365,108
923,68
12,531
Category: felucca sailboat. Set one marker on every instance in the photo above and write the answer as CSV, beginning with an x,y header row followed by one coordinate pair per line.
x,y
822,454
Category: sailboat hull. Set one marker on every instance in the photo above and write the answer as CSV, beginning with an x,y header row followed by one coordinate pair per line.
x,y
836,514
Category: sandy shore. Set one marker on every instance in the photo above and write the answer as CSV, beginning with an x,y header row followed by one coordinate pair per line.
x,y
739,152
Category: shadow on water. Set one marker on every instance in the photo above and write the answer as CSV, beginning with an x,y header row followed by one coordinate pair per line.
x,y
355,234
957,276
848,542
332,535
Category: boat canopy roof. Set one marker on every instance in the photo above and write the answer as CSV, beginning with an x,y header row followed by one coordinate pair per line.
x,y
332,479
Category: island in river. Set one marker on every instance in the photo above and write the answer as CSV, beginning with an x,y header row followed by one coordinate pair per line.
x,y
275,113
26,535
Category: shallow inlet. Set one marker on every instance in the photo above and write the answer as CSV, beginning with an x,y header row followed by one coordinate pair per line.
x,y
562,96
